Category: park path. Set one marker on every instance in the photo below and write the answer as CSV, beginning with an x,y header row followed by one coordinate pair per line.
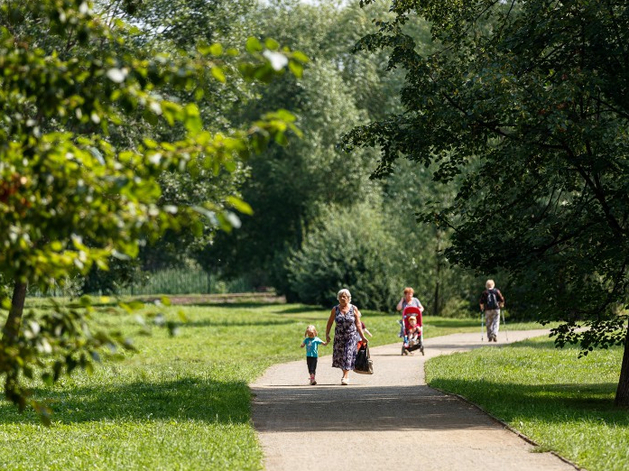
x,y
390,420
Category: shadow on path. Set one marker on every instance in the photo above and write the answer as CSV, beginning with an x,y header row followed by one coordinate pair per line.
x,y
371,409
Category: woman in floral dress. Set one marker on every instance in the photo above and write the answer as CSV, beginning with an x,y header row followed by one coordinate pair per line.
x,y
346,334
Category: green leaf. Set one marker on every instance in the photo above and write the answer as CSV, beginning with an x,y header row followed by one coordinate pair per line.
x,y
203,48
253,45
193,121
216,50
218,74
239,205
281,138
296,68
271,44
301,57
6,304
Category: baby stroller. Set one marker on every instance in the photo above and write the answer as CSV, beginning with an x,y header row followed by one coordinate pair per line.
x,y
412,341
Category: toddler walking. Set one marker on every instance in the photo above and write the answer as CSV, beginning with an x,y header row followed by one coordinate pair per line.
x,y
311,342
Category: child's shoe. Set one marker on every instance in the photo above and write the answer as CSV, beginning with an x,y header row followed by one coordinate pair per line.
x,y
312,380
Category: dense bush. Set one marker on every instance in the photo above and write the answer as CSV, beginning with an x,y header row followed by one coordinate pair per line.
x,y
350,249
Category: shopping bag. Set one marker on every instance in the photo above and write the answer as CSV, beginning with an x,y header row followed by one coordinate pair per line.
x,y
364,364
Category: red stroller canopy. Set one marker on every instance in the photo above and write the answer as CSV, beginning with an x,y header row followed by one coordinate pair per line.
x,y
412,311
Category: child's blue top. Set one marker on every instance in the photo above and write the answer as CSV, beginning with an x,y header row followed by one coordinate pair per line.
x,y
312,346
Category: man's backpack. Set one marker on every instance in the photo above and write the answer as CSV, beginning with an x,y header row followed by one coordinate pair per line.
x,y
492,299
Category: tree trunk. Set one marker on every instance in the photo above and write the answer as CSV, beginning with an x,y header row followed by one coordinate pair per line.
x,y
435,302
14,321
436,308
622,393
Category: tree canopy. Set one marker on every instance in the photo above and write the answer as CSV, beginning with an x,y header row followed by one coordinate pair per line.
x,y
295,191
289,186
527,104
175,26
72,192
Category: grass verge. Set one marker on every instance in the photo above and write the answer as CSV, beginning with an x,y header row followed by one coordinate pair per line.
x,y
563,403
181,403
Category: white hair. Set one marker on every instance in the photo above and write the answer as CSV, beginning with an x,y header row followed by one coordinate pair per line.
x,y
344,291
489,284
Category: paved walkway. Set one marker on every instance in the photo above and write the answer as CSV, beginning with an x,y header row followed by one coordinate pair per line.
x,y
386,421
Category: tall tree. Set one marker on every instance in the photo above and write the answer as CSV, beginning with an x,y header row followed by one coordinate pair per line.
x,y
290,186
529,103
71,196
164,25
420,262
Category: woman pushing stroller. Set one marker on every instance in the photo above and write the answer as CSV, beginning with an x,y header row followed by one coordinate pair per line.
x,y
409,300
411,324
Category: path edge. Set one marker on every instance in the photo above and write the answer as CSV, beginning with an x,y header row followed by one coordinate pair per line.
x,y
505,425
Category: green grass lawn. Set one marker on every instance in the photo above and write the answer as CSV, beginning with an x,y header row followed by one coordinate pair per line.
x,y
563,403
181,402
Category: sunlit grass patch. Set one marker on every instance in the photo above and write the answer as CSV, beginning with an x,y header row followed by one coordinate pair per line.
x,y
560,401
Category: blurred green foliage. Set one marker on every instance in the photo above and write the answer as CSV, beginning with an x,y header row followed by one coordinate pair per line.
x,y
76,188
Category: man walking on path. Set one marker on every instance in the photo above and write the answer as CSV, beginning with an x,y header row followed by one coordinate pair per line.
x,y
372,424
491,301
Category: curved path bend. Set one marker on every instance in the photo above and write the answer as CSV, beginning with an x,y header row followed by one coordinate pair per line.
x,y
390,420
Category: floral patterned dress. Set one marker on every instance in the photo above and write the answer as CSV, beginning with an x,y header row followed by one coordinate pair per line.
x,y
345,339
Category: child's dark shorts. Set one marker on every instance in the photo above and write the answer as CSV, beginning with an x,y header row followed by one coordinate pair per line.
x,y
312,364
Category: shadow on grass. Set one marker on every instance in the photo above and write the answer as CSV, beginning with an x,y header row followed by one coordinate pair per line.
x,y
185,399
302,310
451,323
546,344
112,304
550,403
223,323
224,305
